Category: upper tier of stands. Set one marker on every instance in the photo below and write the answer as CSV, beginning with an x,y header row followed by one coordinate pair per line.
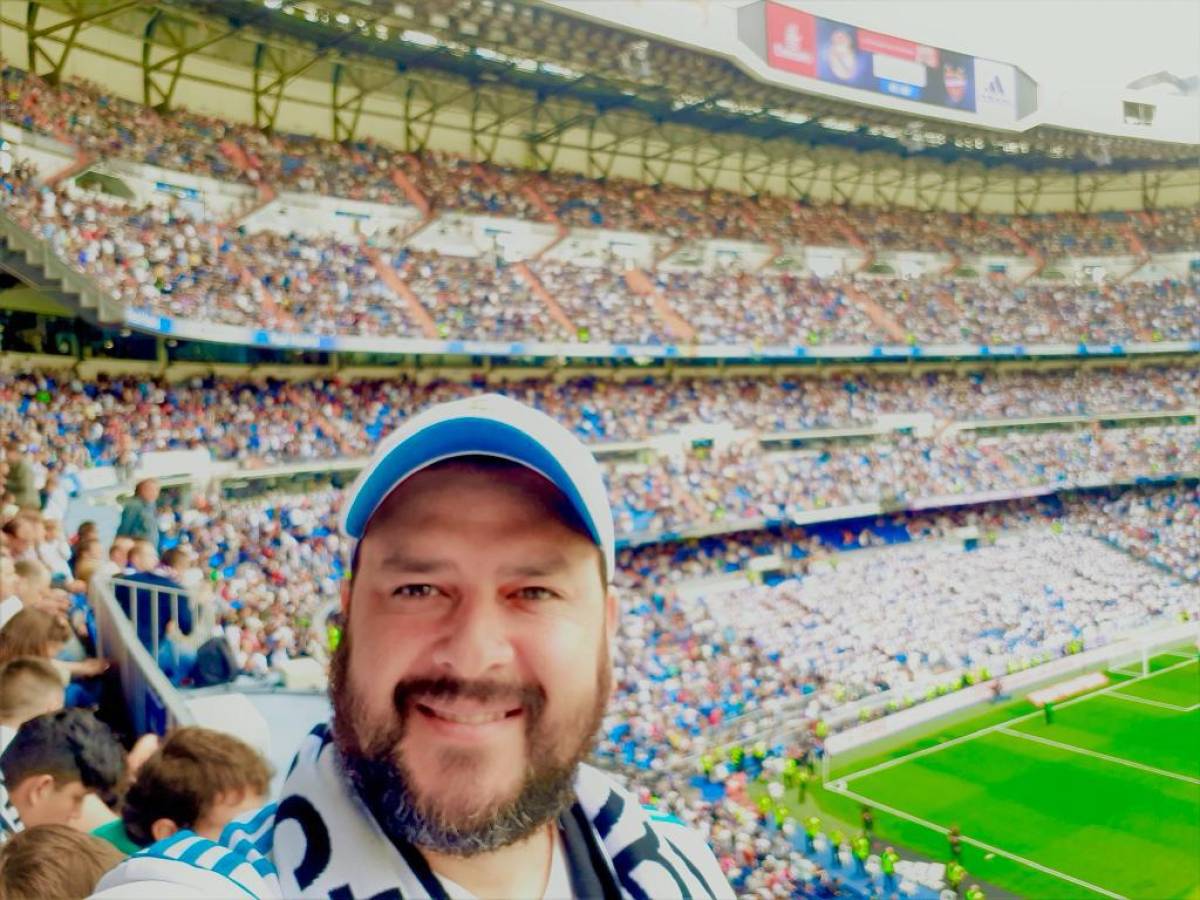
x,y
160,260
105,125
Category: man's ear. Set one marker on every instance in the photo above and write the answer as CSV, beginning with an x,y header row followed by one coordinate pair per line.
x,y
345,596
163,828
33,790
612,614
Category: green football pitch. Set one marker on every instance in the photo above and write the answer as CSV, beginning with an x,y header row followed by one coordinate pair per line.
x,y
1104,801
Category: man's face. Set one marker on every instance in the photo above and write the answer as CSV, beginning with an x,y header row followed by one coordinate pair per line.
x,y
224,810
39,800
22,540
474,670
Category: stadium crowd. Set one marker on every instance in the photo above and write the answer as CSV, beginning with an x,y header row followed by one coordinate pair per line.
x,y
933,309
158,258
1157,525
696,661
693,663
477,296
262,572
110,420
103,124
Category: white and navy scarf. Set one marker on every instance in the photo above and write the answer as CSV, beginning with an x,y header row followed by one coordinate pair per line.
x,y
320,841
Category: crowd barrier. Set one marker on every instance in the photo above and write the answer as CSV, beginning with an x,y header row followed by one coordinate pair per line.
x,y
154,704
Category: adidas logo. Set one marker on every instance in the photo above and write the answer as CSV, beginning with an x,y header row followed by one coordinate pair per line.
x,y
995,87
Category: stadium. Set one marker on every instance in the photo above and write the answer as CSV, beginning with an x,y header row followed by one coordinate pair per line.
x,y
870,363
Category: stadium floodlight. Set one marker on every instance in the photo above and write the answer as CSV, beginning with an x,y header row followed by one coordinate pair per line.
x,y
787,115
420,38
833,123
560,71
1099,152
487,53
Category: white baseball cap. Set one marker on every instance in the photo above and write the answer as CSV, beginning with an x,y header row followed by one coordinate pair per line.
x,y
487,425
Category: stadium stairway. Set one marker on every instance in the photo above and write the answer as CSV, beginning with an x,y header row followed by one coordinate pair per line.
x,y
955,259
264,196
30,260
557,313
539,203
79,164
399,286
1039,261
679,327
401,180
1137,248
276,317
857,243
880,317
776,250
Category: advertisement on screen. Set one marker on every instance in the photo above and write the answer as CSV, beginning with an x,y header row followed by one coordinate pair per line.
x,y
995,88
792,40
837,53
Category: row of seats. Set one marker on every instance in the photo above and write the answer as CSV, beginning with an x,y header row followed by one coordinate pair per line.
x,y
112,420
161,260
103,124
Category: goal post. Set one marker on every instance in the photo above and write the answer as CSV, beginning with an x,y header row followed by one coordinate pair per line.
x,y
1133,662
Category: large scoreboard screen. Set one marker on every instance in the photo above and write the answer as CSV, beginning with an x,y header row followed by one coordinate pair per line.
x,y
800,43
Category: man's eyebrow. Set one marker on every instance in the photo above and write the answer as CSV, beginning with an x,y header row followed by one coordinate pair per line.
x,y
548,565
398,560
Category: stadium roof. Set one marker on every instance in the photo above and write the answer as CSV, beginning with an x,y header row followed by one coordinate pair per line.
x,y
524,83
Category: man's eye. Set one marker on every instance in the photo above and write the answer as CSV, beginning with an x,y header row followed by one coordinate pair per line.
x,y
536,593
414,590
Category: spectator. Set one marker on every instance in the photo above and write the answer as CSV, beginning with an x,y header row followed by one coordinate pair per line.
x,y
33,632
139,518
29,687
21,480
54,862
31,589
198,779
160,610
54,761
118,562
54,507
21,536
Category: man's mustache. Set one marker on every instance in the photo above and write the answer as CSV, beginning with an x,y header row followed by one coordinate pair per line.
x,y
531,698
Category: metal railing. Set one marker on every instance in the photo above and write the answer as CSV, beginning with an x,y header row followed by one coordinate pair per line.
x,y
154,704
138,588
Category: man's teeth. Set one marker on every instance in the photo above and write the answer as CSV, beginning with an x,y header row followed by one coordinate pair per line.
x,y
464,719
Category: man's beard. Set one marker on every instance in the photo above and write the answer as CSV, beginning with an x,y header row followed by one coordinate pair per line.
x,y
372,761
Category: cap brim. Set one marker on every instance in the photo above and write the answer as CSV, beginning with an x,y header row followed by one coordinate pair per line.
x,y
467,436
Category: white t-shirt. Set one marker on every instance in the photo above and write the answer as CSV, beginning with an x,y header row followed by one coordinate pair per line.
x,y
558,886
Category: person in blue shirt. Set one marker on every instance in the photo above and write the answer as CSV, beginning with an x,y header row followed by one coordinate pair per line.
x,y
159,609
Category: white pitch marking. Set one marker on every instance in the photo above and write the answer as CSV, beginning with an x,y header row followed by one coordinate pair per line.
x,y
887,764
1083,751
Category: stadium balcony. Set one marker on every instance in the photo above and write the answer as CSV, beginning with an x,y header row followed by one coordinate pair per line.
x,y
207,280
708,273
